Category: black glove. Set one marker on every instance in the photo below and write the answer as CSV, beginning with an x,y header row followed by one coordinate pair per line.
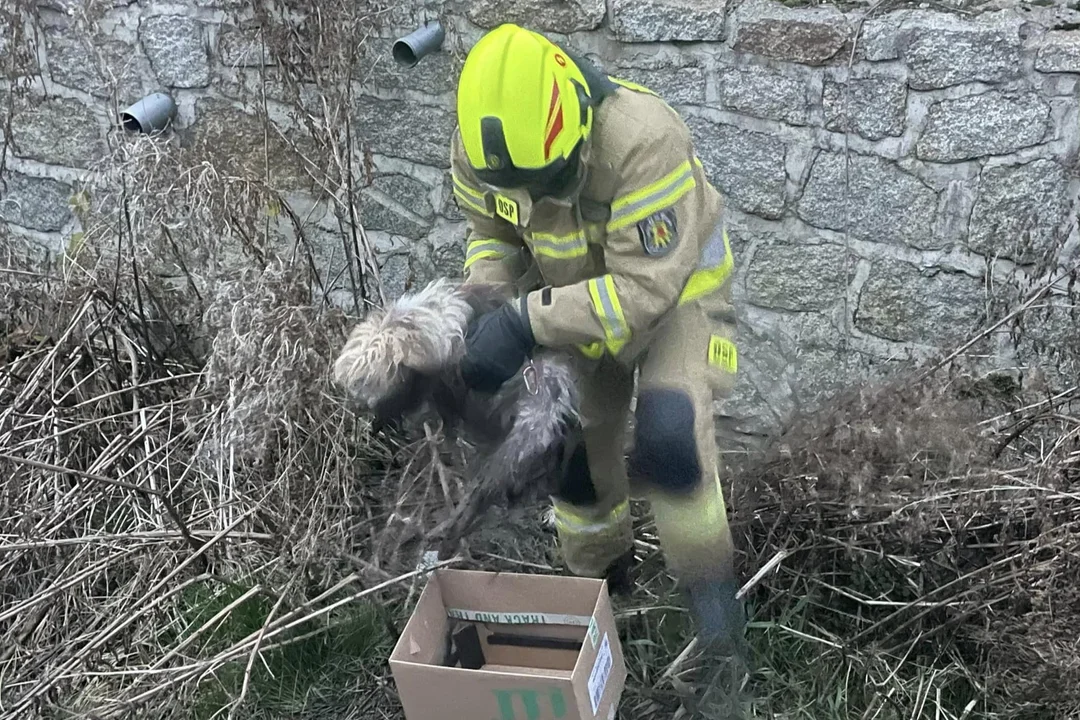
x,y
496,346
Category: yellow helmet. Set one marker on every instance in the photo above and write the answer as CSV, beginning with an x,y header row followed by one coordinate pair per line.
x,y
524,108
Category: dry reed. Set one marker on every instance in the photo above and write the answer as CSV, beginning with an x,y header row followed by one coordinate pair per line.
x,y
187,500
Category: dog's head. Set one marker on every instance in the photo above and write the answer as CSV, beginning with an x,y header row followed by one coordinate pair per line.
x,y
421,334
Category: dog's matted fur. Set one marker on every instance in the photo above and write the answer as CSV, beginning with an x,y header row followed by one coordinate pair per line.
x,y
404,361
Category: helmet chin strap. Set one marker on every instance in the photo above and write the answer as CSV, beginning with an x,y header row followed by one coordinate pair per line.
x,y
573,186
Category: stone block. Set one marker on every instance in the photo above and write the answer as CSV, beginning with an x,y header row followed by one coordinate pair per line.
x,y
56,131
784,276
422,265
66,7
329,258
176,46
234,142
250,85
394,275
903,303
677,85
449,234
378,215
34,203
400,18
941,52
823,329
1059,52
741,235
765,93
873,107
555,16
406,130
871,198
762,370
768,356
242,47
96,64
663,20
823,373
1057,85
993,123
879,38
449,260
815,329
435,74
744,412
1049,345
449,208
1020,210
407,191
748,167
811,36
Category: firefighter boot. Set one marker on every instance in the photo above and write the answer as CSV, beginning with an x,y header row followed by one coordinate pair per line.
x,y
718,614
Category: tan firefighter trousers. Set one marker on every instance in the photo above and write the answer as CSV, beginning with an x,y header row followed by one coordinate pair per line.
x,y
691,361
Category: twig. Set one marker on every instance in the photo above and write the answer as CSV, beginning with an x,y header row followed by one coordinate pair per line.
x,y
1035,297
79,473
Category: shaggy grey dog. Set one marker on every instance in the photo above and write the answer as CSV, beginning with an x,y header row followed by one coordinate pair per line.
x,y
403,361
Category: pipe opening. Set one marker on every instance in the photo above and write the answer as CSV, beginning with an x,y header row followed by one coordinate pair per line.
x,y
418,44
152,114
131,124
403,54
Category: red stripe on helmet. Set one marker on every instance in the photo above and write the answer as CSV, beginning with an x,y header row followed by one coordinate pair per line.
x,y
554,100
557,125
554,133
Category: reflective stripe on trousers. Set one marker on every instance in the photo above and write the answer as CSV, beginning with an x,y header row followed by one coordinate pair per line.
x,y
589,545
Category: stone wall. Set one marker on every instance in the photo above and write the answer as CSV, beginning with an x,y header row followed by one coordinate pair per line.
x,y
889,172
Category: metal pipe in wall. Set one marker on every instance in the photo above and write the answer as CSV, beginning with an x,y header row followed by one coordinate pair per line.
x,y
151,114
421,42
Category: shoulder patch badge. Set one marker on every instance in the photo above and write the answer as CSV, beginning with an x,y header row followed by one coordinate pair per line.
x,y
659,233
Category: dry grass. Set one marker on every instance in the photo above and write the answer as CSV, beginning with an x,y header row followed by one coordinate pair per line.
x,y
187,508
221,537
189,536
195,525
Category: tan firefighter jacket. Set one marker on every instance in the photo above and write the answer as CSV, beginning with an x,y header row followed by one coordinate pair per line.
x,y
640,234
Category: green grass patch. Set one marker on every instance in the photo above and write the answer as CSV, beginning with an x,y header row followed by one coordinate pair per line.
x,y
795,672
323,664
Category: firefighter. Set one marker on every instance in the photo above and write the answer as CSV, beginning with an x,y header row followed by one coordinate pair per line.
x,y
587,206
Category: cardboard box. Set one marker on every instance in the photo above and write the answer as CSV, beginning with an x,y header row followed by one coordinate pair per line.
x,y
531,647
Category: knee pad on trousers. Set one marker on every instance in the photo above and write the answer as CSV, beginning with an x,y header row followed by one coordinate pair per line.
x,y
665,449
575,482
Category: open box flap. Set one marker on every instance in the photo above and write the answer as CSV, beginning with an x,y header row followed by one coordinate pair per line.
x,y
423,641
519,599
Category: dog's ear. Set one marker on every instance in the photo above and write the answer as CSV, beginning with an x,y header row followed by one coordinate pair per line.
x,y
482,297
408,396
